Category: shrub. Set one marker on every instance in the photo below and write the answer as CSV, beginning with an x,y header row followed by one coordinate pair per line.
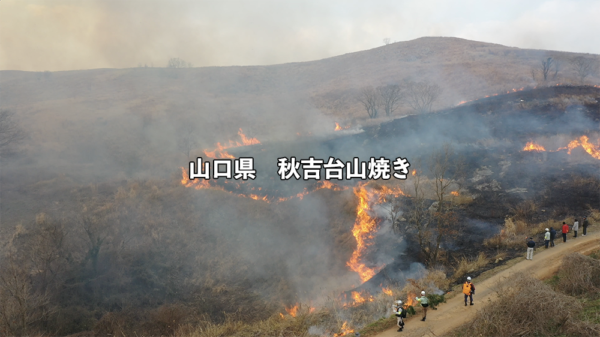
x,y
579,275
528,307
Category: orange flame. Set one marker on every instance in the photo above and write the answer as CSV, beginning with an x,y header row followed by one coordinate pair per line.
x,y
361,297
329,185
454,193
293,311
387,291
583,141
220,152
344,330
387,191
486,96
339,128
196,183
410,300
364,226
531,146
280,314
203,184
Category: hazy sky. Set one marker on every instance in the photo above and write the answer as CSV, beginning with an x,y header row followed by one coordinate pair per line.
x,y
63,35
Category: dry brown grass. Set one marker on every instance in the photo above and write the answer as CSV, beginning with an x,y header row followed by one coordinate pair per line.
x,y
465,265
334,317
579,275
512,236
525,211
594,217
529,307
274,326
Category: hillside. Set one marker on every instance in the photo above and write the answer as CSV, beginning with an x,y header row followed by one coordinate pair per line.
x,y
73,111
453,314
102,224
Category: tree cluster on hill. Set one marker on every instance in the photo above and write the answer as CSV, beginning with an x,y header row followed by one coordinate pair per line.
x,y
419,96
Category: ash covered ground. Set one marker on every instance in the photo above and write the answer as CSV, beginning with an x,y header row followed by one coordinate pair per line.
x,y
133,246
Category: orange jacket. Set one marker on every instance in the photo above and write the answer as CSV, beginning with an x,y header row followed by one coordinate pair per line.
x,y
565,229
467,290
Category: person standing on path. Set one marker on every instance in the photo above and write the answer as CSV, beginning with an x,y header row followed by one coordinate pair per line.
x,y
530,247
400,313
547,238
424,303
575,227
565,230
585,225
468,290
552,236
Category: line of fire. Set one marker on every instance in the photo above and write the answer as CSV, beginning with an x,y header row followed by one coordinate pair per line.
x,y
492,160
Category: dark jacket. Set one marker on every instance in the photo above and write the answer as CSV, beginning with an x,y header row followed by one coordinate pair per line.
x,y
531,244
552,234
585,223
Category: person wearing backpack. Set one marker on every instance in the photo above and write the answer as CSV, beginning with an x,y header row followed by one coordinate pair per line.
x,y
468,290
400,313
424,303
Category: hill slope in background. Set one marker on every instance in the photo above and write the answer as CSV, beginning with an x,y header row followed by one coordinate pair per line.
x,y
73,111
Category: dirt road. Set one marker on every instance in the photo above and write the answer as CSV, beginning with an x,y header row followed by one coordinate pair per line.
x,y
452,314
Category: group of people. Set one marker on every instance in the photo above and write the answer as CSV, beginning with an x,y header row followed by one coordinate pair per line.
x,y
550,235
469,288
400,311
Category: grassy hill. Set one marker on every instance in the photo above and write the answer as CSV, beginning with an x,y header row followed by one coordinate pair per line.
x,y
276,102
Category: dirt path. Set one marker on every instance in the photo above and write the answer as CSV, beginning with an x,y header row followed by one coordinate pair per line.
x,y
452,314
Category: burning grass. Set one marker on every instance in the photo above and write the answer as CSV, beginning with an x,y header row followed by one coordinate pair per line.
x,y
336,317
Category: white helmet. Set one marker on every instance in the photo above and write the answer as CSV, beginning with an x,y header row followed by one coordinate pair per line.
x,y
398,302
468,278
547,230
423,293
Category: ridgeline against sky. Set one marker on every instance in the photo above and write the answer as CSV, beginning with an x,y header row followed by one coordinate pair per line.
x,y
66,35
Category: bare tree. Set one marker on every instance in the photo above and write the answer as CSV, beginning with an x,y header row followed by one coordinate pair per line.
x,y
20,306
545,67
421,95
431,226
584,67
390,97
418,215
11,134
386,41
557,66
187,139
176,62
550,66
440,163
370,99
97,232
